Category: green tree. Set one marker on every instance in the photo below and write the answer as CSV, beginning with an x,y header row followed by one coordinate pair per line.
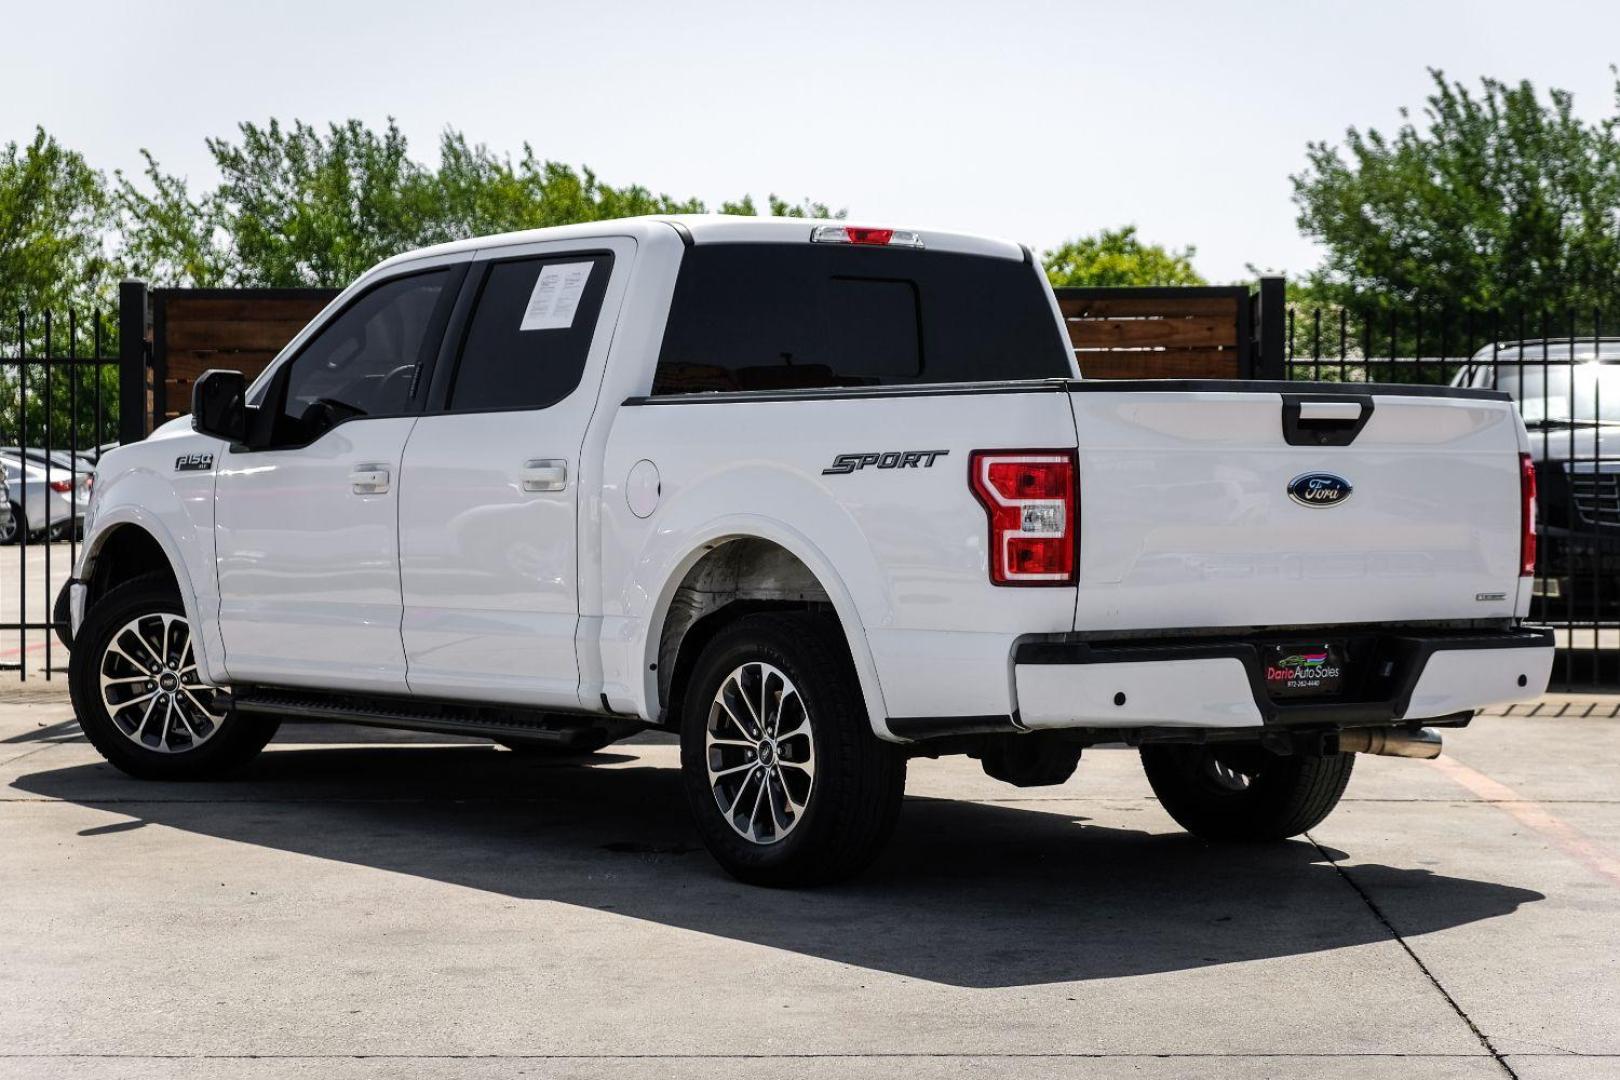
x,y
302,209
780,207
167,236
1501,200
1119,257
55,263
479,192
55,212
296,206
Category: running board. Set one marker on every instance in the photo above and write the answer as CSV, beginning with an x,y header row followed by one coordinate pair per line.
x,y
443,717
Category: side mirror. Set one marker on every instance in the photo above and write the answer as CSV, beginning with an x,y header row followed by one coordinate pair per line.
x,y
218,405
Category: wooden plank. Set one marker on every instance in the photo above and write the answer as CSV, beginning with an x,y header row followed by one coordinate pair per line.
x,y
1206,331
1166,364
243,309
230,334
192,363
1133,307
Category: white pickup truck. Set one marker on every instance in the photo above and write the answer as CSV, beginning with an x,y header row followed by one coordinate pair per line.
x,y
819,498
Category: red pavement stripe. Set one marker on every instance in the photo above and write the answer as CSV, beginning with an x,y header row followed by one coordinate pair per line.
x,y
32,648
1568,839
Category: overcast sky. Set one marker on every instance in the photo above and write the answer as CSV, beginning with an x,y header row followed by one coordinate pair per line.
x,y
1035,121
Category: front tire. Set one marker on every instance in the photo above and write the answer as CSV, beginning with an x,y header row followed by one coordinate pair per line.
x,y
786,782
138,693
1242,792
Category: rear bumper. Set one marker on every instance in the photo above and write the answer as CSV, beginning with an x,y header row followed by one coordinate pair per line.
x,y
1219,683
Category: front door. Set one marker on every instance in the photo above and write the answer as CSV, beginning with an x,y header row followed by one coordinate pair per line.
x,y
306,522
489,496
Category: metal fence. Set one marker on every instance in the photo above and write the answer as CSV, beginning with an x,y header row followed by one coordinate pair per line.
x,y
1563,371
58,406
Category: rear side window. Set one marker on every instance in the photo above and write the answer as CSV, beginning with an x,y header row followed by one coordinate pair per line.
x,y
530,332
783,316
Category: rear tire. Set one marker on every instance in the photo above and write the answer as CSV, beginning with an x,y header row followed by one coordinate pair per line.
x,y
774,700
156,723
1241,792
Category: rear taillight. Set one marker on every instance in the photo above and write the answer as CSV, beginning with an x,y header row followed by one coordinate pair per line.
x,y
61,487
1030,497
1527,516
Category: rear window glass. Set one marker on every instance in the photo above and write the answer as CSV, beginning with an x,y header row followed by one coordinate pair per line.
x,y
783,316
530,332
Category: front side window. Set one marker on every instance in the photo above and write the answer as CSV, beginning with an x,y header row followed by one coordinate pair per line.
x,y
530,332
362,363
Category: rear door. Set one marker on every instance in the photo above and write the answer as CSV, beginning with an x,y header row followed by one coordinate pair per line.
x,y
1211,509
488,516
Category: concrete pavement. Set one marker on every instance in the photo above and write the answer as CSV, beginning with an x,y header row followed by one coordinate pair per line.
x,y
30,578
364,905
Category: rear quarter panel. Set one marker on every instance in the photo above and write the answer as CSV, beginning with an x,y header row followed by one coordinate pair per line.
x,y
900,550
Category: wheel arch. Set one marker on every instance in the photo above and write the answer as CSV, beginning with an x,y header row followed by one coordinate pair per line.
x,y
120,552
129,541
734,570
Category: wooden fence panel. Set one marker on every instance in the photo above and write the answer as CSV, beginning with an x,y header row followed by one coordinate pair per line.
x,y
240,329
1164,333
1117,333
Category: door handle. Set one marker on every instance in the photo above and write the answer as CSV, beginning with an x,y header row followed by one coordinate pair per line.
x,y
545,474
370,478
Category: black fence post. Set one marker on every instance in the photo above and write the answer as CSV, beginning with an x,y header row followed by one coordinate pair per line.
x,y
132,302
1270,315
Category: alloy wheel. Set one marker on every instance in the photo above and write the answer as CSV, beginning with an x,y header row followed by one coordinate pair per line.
x,y
761,753
151,688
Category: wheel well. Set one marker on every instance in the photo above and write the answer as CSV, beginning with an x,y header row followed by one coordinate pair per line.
x,y
128,552
735,578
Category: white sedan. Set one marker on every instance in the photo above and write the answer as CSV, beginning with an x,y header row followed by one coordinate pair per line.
x,y
39,504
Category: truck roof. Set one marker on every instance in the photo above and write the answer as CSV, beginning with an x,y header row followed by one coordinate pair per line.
x,y
1549,349
712,229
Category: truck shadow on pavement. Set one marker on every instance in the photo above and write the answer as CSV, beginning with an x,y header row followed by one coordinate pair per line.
x,y
968,894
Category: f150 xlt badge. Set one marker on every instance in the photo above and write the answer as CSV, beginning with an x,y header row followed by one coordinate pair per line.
x,y
194,463
887,459
1319,489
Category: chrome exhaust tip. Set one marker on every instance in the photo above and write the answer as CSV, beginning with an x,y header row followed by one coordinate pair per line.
x,y
1425,743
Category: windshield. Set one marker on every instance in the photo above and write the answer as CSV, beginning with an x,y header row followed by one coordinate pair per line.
x,y
1586,392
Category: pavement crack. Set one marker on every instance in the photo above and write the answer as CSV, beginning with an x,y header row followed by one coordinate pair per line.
x,y
1378,913
29,753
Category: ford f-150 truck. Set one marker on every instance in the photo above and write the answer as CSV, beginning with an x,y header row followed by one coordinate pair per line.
x,y
819,498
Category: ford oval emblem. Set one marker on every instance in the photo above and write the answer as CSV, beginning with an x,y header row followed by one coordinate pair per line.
x,y
1319,489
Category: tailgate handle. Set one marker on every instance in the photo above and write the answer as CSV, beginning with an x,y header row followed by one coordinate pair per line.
x,y
1324,419
1330,410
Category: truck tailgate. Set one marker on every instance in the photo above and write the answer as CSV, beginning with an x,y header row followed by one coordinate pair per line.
x,y
1187,518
